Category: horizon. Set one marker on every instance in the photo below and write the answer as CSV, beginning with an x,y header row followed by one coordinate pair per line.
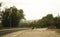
x,y
34,9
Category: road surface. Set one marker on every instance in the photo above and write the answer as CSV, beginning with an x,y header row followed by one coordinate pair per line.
x,y
33,33
8,31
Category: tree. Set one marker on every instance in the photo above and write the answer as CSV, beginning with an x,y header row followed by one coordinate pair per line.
x,y
0,4
12,16
0,14
57,22
5,20
45,21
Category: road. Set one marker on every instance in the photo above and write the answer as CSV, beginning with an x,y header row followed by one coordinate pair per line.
x,y
33,33
8,31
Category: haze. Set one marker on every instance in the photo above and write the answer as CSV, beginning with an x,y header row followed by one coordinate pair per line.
x,y
34,9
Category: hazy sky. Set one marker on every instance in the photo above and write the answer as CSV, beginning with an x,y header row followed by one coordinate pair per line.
x,y
35,9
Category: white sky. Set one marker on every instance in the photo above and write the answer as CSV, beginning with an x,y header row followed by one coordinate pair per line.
x,y
35,9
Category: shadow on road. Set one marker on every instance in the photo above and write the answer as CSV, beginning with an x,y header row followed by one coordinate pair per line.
x,y
5,32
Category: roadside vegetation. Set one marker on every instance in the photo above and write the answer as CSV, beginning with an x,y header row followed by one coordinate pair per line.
x,y
58,31
12,17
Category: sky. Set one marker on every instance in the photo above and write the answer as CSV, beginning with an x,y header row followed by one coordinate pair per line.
x,y
34,9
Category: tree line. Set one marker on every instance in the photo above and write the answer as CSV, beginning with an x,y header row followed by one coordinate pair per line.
x,y
47,21
11,17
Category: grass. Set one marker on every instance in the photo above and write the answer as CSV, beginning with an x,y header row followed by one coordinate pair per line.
x,y
58,31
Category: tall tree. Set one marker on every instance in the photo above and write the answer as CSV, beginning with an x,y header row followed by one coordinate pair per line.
x,y
0,4
12,16
0,14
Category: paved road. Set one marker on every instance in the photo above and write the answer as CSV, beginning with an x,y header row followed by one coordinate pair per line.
x,y
8,31
33,33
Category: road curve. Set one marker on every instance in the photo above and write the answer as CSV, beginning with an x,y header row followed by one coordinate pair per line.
x,y
8,31
33,33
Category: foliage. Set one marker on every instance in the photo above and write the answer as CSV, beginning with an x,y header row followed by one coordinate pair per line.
x,y
48,21
45,21
0,4
57,22
58,31
11,17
